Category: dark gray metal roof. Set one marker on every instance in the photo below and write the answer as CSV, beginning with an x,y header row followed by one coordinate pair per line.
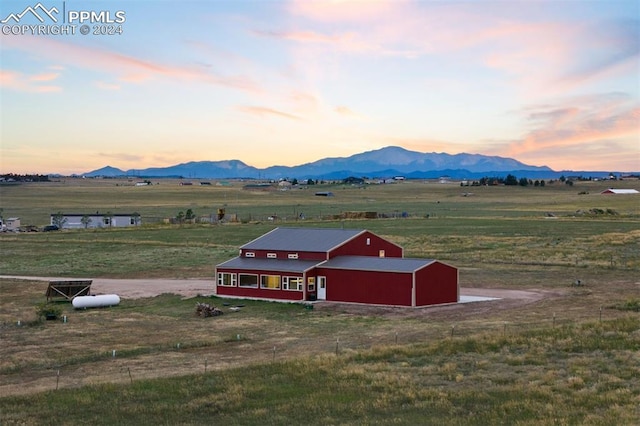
x,y
372,263
302,239
276,265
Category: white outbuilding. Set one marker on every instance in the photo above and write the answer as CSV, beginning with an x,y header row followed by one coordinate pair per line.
x,y
620,191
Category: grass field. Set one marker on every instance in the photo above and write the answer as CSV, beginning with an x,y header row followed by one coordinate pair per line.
x,y
569,358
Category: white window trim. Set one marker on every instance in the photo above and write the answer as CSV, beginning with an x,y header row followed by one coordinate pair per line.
x,y
257,284
270,288
249,254
287,282
234,279
272,256
292,255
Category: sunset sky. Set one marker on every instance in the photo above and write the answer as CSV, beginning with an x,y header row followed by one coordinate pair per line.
x,y
553,83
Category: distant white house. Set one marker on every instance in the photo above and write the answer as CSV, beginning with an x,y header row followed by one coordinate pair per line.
x,y
620,191
13,223
95,220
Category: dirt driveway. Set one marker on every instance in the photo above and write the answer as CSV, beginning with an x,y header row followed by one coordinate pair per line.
x,y
140,288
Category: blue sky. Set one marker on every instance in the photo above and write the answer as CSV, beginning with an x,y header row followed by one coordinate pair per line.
x,y
551,83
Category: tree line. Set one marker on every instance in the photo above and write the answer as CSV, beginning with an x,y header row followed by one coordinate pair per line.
x,y
511,180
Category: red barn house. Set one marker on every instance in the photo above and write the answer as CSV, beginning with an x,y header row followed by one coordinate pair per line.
x,y
341,265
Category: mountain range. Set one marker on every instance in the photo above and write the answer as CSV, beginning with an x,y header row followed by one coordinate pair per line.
x,y
385,162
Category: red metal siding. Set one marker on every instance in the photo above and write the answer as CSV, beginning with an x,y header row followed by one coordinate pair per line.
x,y
262,293
436,284
281,254
384,288
259,293
358,247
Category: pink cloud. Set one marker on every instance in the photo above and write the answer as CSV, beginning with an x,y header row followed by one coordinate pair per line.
x,y
107,86
120,156
343,41
28,83
128,68
533,50
346,111
44,77
305,98
343,10
579,131
304,103
263,111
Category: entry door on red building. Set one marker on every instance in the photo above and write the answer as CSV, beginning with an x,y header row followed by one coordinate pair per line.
x,y
322,288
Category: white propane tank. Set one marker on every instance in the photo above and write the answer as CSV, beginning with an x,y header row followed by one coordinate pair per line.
x,y
83,302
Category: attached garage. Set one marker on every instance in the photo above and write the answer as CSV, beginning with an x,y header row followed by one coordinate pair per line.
x,y
389,281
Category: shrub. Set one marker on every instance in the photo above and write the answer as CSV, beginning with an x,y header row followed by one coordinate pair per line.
x,y
48,310
629,305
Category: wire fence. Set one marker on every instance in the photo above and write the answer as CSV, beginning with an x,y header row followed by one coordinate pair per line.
x,y
248,347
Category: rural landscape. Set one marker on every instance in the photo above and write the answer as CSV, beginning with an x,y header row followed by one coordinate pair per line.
x,y
558,343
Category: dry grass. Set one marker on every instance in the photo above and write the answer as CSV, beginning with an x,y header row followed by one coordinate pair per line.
x,y
146,332
569,354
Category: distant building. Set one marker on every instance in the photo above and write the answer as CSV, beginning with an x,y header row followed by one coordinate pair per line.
x,y
13,223
95,220
259,187
620,191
